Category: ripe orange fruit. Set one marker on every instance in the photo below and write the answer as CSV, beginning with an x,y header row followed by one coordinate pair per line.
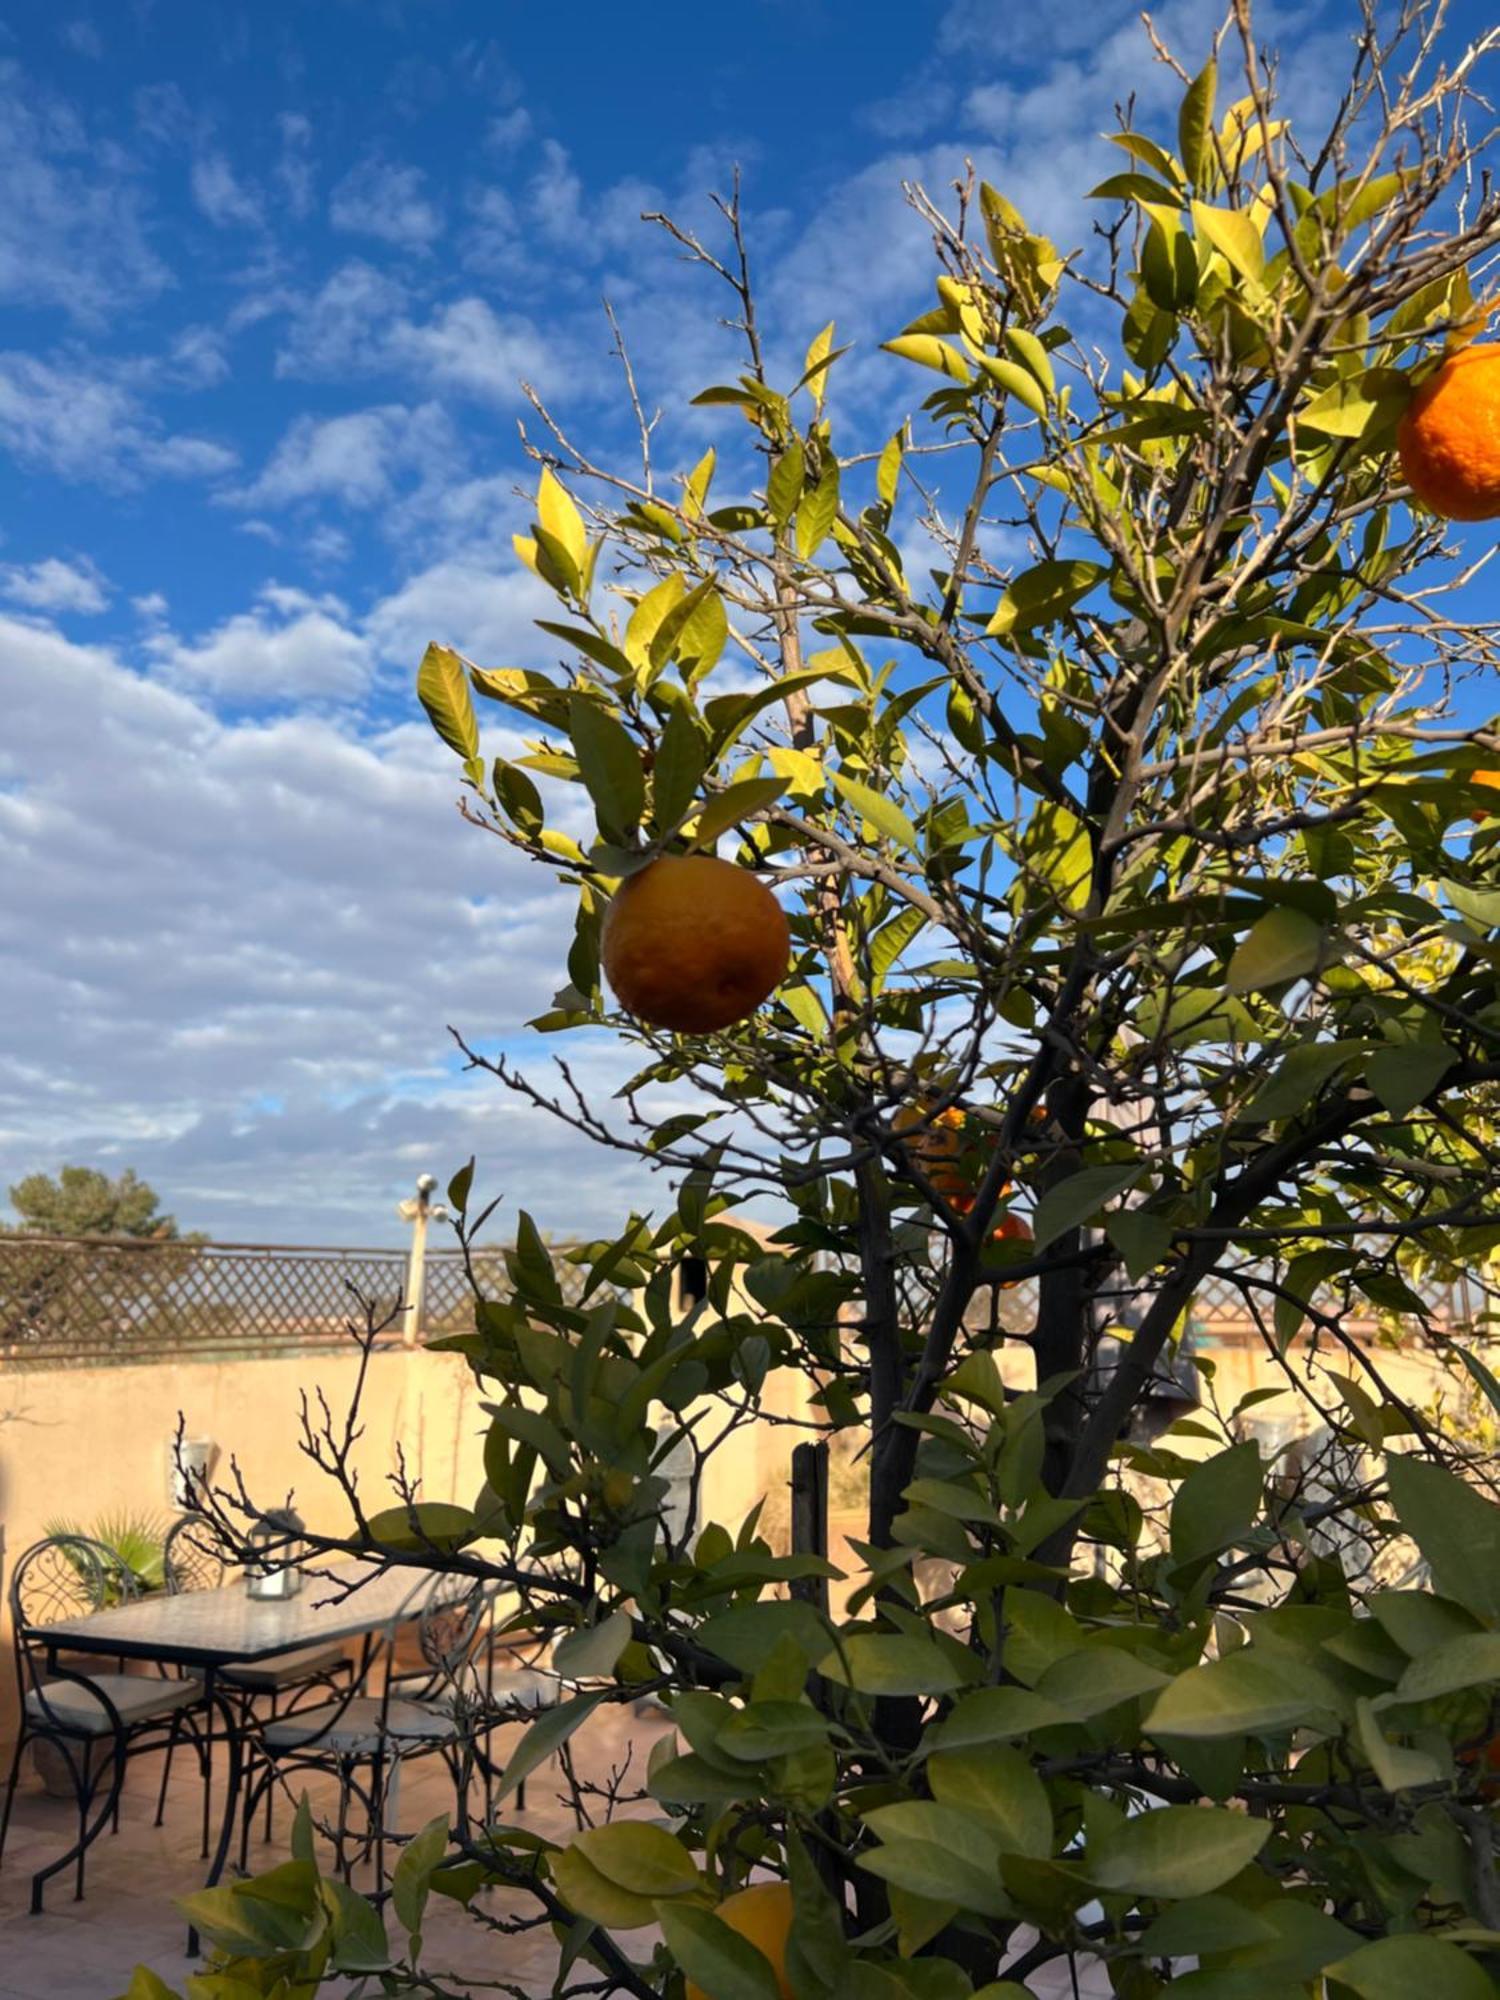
x,y
1491,781
762,1914
1012,1229
938,1146
694,943
1449,437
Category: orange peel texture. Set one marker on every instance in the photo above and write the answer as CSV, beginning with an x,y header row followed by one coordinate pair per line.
x,y
694,944
762,1915
1449,438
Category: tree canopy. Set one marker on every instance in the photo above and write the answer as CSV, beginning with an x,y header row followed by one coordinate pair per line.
x,y
82,1201
1112,728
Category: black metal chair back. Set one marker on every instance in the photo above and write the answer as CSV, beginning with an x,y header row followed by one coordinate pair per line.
x,y
63,1577
192,1557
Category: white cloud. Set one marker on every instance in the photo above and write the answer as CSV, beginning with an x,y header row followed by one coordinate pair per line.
x,y
74,222
487,613
291,647
221,196
510,130
88,426
341,329
84,39
353,458
55,585
213,919
467,347
294,169
378,198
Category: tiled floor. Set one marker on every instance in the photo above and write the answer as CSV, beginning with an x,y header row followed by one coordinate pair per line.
x,y
86,1951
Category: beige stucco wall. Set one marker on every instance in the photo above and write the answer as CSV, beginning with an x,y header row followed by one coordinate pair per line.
x,y
90,1441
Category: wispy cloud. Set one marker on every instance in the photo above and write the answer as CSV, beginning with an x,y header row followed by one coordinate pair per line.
x,y
381,199
85,425
74,219
353,459
290,647
55,585
219,194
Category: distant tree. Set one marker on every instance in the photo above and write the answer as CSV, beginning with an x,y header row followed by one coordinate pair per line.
x,y
82,1201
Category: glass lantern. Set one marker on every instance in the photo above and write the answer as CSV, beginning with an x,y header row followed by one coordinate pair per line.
x,y
277,1539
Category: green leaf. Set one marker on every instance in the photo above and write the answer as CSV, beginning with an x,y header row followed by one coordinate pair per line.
x,y
999,1785
561,519
883,814
1214,1506
1097,1679
546,1736
1033,356
736,802
784,487
942,1825
1397,1768
1235,236
145,1985
1142,1240
1480,906
646,620
931,352
725,1965
1015,380
1402,1077
1284,944
681,758
1359,406
438,1524
888,468
995,1715
1195,124
593,1652
1073,1201
923,1868
1056,847
747,1634
443,690
595,1896
1041,595
1242,1694
411,1883
1174,1851
816,363
1298,1078
640,1857
1395,1968
1455,1527
610,764
1472,1660
817,513
892,1663
771,1729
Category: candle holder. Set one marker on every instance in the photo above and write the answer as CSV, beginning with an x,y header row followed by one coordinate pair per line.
x,y
276,1572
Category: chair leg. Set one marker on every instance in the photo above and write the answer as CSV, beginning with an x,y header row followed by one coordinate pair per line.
x,y
166,1770
377,1809
271,1789
22,1739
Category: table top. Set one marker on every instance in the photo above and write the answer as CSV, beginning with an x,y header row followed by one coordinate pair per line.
x,y
214,1627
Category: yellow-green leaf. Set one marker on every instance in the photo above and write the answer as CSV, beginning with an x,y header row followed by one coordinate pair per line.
x,y
1016,381
931,352
443,690
561,519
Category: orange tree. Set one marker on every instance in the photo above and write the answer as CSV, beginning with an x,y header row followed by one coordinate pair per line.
x,y
1111,731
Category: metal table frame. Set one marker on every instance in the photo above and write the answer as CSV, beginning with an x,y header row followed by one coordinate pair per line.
x,y
209,1630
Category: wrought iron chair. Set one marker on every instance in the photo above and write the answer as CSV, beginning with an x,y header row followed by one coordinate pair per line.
x,y
95,1721
364,1738
193,1559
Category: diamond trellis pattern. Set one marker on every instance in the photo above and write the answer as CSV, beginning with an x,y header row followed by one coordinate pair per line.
x,y
66,1301
69,1301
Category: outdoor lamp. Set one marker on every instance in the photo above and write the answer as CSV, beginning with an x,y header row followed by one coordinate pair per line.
x,y
277,1537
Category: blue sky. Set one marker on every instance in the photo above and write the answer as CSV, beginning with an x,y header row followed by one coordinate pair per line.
x,y
269,278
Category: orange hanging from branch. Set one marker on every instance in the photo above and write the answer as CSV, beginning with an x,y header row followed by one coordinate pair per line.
x,y
1449,437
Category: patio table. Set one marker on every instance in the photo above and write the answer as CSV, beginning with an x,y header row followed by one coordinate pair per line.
x,y
209,1630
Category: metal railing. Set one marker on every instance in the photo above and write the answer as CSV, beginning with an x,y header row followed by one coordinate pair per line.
x,y
69,1301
